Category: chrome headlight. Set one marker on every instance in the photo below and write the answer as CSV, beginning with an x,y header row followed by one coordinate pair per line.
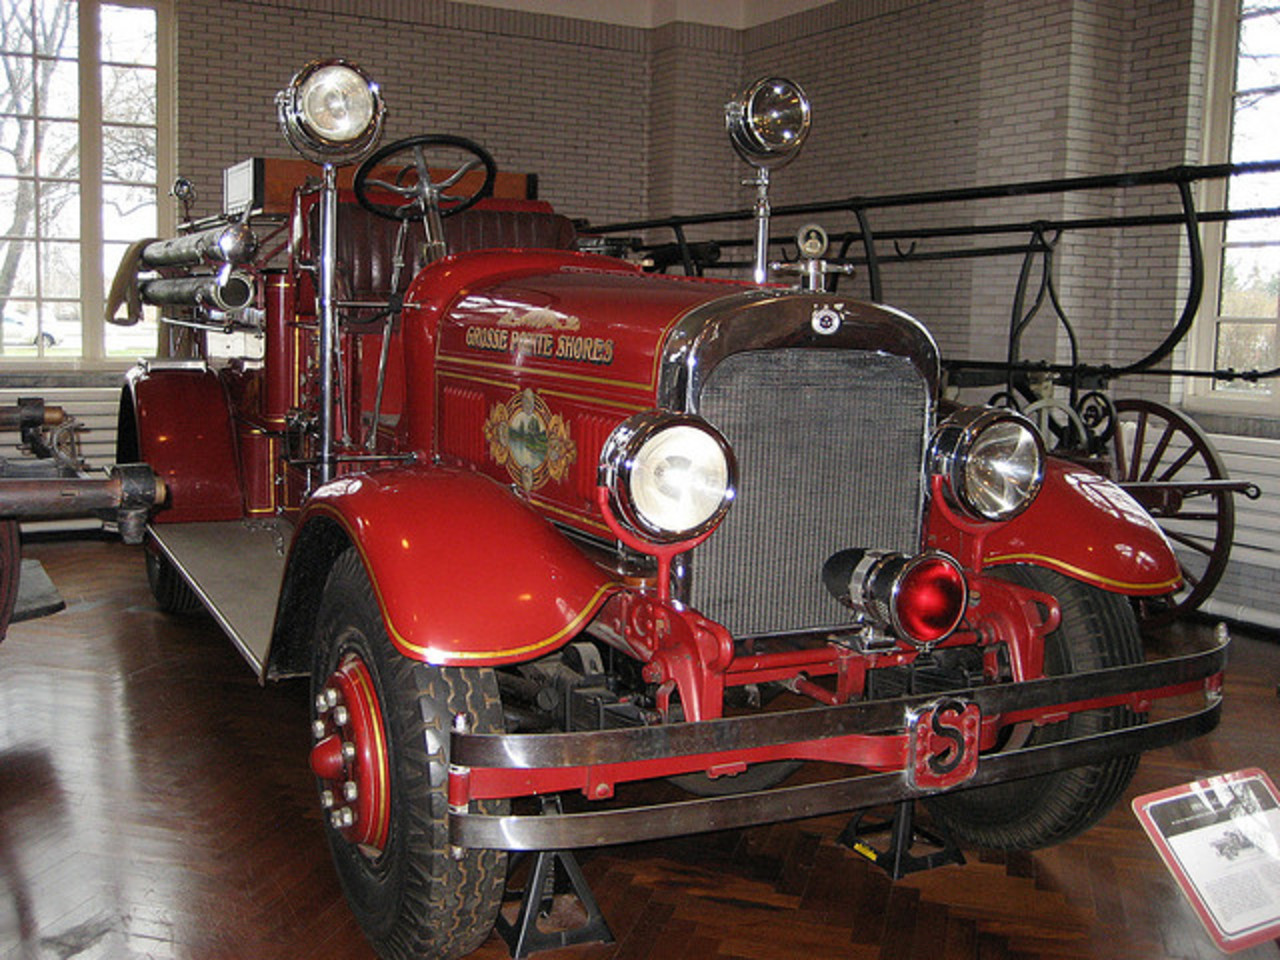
x,y
331,112
670,477
991,462
768,122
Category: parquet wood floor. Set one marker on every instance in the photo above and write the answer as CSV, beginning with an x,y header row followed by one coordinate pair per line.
x,y
155,802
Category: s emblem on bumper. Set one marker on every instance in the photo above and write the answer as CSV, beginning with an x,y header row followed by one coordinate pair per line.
x,y
944,743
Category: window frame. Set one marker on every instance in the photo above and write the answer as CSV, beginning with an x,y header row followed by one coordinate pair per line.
x,y
1219,105
93,284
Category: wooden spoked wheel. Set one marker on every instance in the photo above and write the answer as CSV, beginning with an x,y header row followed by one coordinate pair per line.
x,y
1160,457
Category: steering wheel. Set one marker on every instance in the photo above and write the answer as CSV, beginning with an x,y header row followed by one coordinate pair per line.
x,y
413,180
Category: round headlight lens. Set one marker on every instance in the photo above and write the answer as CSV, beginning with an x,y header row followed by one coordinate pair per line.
x,y
679,479
670,477
991,462
331,112
336,104
778,114
769,121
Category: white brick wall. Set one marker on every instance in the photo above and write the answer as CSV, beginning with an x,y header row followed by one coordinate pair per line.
x,y
622,122
565,99
916,96
693,71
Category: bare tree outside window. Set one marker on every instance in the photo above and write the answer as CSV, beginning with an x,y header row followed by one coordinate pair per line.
x,y
129,154
44,196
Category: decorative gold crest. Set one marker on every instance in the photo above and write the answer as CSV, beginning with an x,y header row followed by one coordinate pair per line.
x,y
539,319
529,440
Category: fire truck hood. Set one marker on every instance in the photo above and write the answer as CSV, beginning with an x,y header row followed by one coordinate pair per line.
x,y
568,317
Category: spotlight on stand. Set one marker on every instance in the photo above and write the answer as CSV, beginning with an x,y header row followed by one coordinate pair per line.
x,y
768,123
332,114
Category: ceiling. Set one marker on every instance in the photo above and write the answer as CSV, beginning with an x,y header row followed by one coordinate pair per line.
x,y
736,14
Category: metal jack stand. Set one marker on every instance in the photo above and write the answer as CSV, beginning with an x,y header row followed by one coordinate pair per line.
x,y
525,937
897,859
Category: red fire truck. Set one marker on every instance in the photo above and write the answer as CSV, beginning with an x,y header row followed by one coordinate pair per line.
x,y
535,521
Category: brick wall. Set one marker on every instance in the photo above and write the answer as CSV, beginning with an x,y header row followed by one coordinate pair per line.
x,y
916,96
694,69
565,99
623,122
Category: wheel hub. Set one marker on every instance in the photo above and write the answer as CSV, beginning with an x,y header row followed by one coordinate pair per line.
x,y
350,755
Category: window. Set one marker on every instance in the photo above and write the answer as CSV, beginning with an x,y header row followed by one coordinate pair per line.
x,y
83,145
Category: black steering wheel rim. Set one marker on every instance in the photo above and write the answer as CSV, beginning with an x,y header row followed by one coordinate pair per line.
x,y
412,209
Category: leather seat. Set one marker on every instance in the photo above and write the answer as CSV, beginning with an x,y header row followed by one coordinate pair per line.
x,y
366,242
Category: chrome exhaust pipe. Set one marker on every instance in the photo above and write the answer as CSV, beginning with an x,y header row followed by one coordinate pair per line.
x,y
228,290
234,243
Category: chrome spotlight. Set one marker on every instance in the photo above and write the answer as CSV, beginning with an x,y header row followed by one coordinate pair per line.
x,y
768,122
991,462
331,112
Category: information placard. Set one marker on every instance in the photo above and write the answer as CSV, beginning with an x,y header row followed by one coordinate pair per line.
x,y
1220,838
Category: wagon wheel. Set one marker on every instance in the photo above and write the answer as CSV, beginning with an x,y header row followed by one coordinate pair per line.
x,y
1060,425
1099,415
1155,444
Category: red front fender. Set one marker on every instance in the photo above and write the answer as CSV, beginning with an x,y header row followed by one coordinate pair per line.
x,y
465,573
1081,524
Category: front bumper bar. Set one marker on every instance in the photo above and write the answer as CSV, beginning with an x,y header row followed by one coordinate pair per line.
x,y
544,763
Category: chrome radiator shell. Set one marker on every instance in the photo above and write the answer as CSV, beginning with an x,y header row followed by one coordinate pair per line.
x,y
830,454
830,432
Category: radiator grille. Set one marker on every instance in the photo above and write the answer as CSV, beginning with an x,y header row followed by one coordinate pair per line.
x,y
830,455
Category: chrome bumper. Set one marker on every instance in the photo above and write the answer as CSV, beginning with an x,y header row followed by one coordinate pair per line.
x,y
530,764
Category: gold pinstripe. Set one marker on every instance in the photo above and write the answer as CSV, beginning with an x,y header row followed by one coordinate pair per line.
x,y
1082,573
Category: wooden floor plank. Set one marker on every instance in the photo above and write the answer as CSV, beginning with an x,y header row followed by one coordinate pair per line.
x,y
155,802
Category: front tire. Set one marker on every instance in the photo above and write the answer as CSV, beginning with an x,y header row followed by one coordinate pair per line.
x,y
411,898
10,570
1098,630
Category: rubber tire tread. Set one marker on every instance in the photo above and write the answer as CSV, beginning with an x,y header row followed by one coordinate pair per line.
x,y
760,776
172,593
1098,629
10,571
414,900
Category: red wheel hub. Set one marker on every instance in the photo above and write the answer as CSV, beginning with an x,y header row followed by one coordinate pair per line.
x,y
350,755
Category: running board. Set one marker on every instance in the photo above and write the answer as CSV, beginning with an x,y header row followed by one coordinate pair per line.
x,y
235,567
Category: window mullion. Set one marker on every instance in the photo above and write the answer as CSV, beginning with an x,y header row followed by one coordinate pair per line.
x,y
166,116
1215,148
92,294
